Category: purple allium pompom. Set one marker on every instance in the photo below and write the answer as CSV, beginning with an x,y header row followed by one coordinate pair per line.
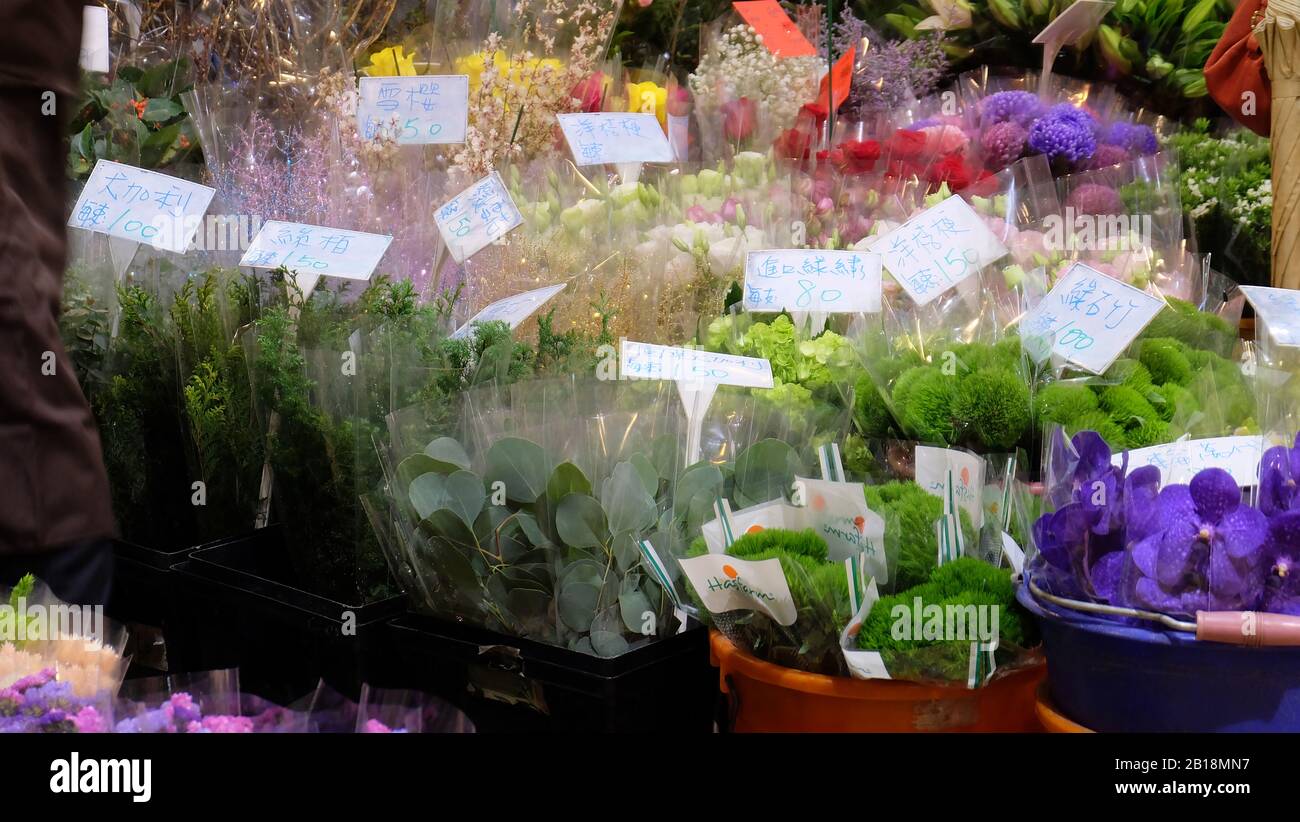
x,y
1094,198
1064,133
1020,107
1134,137
1003,144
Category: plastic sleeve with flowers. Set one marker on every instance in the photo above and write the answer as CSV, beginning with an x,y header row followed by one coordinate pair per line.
x,y
204,702
1276,365
384,710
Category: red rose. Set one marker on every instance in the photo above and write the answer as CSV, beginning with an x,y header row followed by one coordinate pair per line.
x,y
793,144
905,145
739,118
591,92
856,156
950,170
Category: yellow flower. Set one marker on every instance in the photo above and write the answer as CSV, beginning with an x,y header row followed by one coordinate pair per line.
x,y
649,98
391,62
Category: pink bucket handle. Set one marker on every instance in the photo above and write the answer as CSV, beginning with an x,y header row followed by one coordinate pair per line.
x,y
1251,628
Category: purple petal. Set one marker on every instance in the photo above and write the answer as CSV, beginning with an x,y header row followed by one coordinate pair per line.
x,y
1105,575
1216,493
1094,455
1175,505
1144,555
1140,491
1150,595
1229,579
1284,530
1276,480
1242,531
1179,553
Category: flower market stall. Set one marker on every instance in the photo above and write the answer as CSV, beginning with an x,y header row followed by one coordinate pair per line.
x,y
604,365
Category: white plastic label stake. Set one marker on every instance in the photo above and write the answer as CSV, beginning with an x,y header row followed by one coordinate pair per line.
x,y
314,251
1015,554
862,664
476,217
787,279
94,39
429,108
726,583
1179,461
695,397
934,466
1087,319
938,248
1069,27
648,361
512,310
611,137
650,558
1279,308
141,206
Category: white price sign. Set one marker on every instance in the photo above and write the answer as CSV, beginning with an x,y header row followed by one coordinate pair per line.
x,y
648,361
938,248
316,250
429,108
144,206
608,137
812,280
477,217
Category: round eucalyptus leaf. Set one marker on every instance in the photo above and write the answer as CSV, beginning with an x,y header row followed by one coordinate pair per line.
x,y
582,645
634,606
698,487
607,619
451,563
646,470
577,605
663,453
413,466
528,524
529,605
580,521
608,644
446,525
428,493
465,496
626,551
567,478
448,454
765,470
521,465
630,506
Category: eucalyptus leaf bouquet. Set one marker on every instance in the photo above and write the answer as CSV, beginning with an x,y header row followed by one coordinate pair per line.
x,y
529,520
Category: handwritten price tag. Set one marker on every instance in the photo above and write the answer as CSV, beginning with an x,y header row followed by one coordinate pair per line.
x,y
938,248
812,280
426,109
781,36
647,361
1279,309
1087,319
513,310
941,470
477,217
609,137
1179,461
316,250
144,206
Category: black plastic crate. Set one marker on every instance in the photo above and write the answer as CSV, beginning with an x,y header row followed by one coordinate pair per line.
x,y
508,685
143,600
242,607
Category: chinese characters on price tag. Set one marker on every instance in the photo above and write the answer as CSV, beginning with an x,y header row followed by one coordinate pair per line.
x,y
430,108
144,206
317,251
812,280
662,362
1087,319
1279,311
1180,461
609,137
476,217
938,248
512,310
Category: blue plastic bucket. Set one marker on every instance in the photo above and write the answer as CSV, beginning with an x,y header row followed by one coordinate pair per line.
x,y
1117,676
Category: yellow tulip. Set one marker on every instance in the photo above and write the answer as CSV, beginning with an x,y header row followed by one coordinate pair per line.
x,y
391,62
649,98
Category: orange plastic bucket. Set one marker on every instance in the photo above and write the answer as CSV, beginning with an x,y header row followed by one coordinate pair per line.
x,y
1053,721
771,698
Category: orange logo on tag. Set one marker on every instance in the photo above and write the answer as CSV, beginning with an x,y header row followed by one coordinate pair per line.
x,y
729,571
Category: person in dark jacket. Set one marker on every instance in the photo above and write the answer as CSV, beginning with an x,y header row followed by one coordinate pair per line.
x,y
56,517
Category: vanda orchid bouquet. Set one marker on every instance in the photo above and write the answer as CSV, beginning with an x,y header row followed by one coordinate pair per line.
x,y
1135,539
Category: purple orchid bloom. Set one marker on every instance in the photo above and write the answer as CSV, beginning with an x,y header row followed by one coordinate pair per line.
x,y
1082,473
1201,548
1279,470
1282,565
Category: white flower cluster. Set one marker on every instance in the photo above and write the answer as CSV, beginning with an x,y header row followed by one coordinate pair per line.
x,y
739,65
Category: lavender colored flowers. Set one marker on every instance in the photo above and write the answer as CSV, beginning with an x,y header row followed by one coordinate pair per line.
x,y
1065,133
1003,144
1019,107
41,704
1132,137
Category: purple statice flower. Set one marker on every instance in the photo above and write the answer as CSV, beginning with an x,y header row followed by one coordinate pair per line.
x,y
921,125
891,72
1279,471
1108,155
184,711
153,721
1003,144
89,721
1095,198
220,724
1019,107
1064,134
374,726
1133,137
1202,549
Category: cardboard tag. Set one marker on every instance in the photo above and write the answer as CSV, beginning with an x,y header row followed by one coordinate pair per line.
x,y
647,361
1279,309
838,513
1080,19
142,206
611,137
838,81
512,310
780,35
1180,461
862,664
936,466
1087,319
792,279
938,248
426,109
316,251
477,217
94,39
726,583
775,513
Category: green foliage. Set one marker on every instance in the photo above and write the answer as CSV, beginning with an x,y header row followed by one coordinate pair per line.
x,y
910,513
1061,402
1166,359
994,407
870,412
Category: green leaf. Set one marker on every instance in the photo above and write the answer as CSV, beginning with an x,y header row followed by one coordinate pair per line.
x,y
521,465
444,524
577,605
414,466
448,454
630,506
465,496
160,109
567,478
647,471
663,453
428,493
765,470
580,521
608,644
528,524
696,490
633,606
626,551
